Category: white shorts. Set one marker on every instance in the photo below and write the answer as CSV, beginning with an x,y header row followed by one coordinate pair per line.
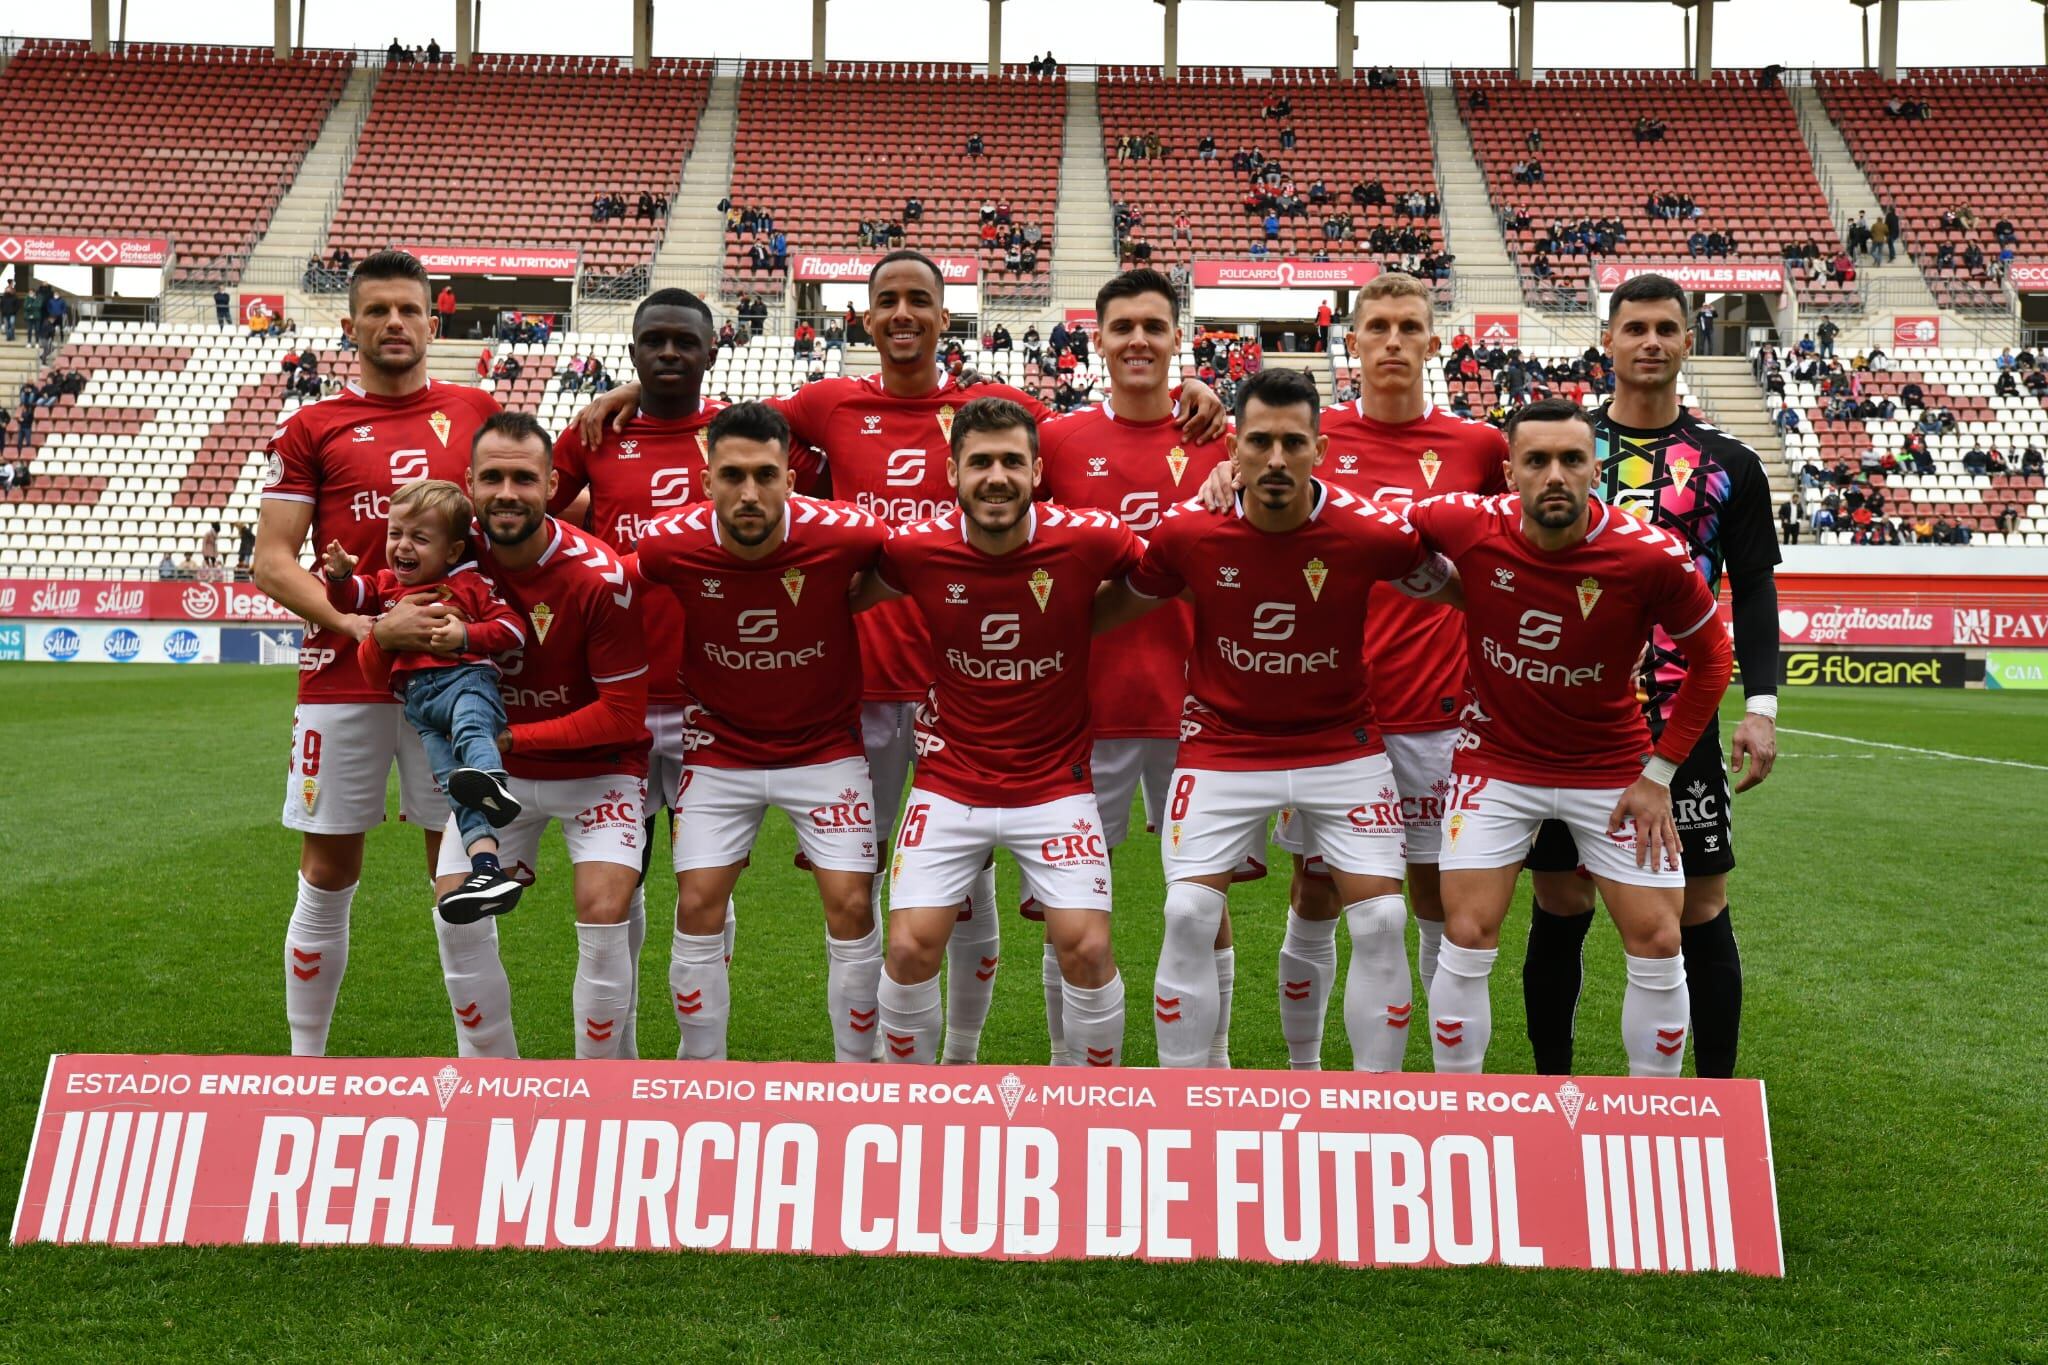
x,y
600,822
1059,848
1349,812
1119,765
665,756
888,732
1489,823
831,805
1421,762
340,767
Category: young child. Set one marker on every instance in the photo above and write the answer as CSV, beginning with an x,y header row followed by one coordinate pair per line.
x,y
451,699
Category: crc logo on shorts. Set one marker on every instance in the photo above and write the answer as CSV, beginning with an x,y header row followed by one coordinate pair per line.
x,y
668,488
905,468
615,811
1382,812
851,813
1083,847
1699,808
758,626
1273,621
1001,631
407,465
123,645
1540,630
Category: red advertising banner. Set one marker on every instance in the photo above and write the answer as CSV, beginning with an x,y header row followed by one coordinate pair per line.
x,y
496,260
846,267
1820,622
2005,624
2029,277
1714,277
259,309
1922,329
46,249
1497,329
1284,273
1036,1163
135,600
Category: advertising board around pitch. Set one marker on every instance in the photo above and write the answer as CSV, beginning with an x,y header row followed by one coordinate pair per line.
x,y
1034,1163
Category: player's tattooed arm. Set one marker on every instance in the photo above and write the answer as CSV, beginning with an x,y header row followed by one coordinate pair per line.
x,y
1117,604
281,529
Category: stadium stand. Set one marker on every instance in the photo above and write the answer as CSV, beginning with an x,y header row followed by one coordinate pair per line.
x,y
447,153
822,154
1735,150
193,143
1346,133
1961,157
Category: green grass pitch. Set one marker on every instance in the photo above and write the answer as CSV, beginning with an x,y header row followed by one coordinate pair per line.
x,y
1895,934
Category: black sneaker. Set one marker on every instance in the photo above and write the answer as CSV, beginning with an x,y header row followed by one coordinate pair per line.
x,y
481,791
481,893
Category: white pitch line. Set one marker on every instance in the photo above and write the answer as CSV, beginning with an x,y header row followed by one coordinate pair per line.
x,y
1909,749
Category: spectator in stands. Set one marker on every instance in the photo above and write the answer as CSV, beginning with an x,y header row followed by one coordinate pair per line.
x,y
1788,521
1703,329
976,145
1881,247
444,309
2008,385
1206,148
1975,461
803,339
2031,461
2008,520
1271,226
1827,332
1786,420
209,547
1911,396
1994,461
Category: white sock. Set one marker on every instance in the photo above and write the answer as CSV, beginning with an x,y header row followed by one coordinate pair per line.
x,y
1184,1003
315,956
636,937
1055,997
1308,967
604,988
478,992
971,957
701,992
1226,982
853,966
1095,1015
732,928
1378,993
1655,1012
910,1020
1461,1008
1429,941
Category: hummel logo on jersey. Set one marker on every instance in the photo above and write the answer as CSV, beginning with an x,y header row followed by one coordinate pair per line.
x,y
1504,579
1347,464
956,593
712,588
1098,466
629,450
871,425
362,433
1226,577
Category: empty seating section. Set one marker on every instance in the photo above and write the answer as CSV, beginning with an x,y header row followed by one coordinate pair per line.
x,y
1346,133
1961,381
514,150
1735,149
197,144
1977,149
824,153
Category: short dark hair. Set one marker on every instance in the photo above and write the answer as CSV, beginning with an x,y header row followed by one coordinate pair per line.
x,y
675,298
1280,388
908,254
1551,410
1648,289
748,422
389,265
992,414
1130,284
514,425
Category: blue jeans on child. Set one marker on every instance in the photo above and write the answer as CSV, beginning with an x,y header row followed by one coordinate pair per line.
x,y
459,716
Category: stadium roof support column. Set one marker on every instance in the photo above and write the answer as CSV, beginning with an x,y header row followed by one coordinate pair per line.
x,y
281,44
817,37
1888,40
1347,37
643,34
465,32
1525,40
995,37
103,24
1703,41
1172,32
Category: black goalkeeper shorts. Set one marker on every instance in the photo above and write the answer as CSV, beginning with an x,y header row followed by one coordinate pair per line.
x,y
1701,806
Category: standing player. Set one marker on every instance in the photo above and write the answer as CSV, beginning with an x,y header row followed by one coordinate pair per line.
x,y
576,752
331,469
1560,592
1007,586
1129,456
771,683
1279,715
1708,489
1391,445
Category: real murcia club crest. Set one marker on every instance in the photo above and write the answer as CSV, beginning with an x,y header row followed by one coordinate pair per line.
x,y
438,420
543,617
1041,587
1430,463
309,792
1681,472
703,445
1317,573
1177,462
793,584
946,424
1589,595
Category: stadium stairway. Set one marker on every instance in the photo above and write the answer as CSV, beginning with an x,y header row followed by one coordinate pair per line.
x,y
692,251
299,226
1469,222
1084,252
1726,393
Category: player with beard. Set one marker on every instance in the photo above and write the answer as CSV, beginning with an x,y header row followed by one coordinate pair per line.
x,y
1709,490
763,577
1007,587
1561,590
576,750
883,438
1279,715
330,470
1130,456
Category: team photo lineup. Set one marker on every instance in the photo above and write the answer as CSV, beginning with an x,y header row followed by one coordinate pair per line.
x,y
1427,651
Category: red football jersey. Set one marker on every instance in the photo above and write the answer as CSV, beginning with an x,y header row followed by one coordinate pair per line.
x,y
887,456
582,629
493,626
771,662
1277,678
1415,654
1553,638
1008,720
1138,678
345,456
